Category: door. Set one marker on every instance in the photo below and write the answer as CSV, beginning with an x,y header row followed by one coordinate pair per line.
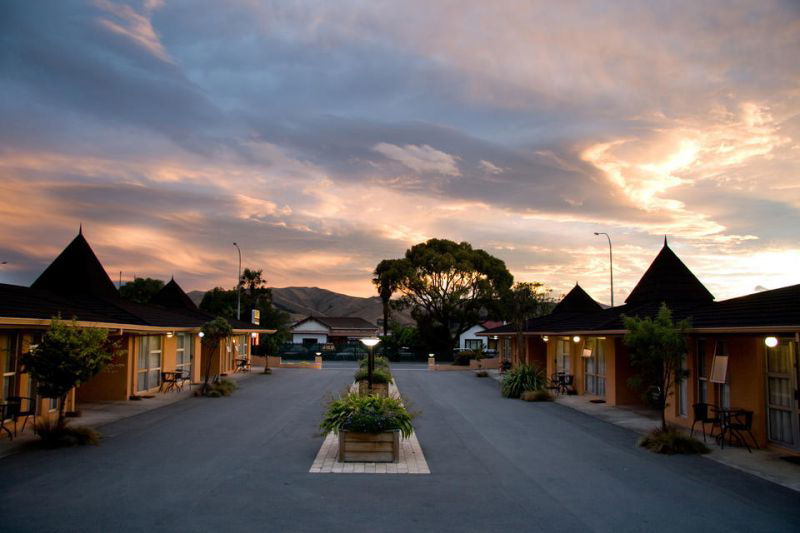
x,y
8,363
595,368
783,411
148,368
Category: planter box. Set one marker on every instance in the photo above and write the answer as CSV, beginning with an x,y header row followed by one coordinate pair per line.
x,y
369,447
378,389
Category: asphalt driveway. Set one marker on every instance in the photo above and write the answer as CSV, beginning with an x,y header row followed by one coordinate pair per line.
x,y
241,464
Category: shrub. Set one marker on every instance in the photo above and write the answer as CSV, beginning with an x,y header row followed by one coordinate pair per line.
x,y
482,374
366,414
521,378
671,441
379,375
55,435
464,357
223,387
540,395
380,362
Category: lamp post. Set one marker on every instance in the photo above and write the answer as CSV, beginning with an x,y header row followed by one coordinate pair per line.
x,y
610,264
370,342
238,285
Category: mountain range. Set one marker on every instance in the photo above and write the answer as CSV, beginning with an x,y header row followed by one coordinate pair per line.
x,y
301,302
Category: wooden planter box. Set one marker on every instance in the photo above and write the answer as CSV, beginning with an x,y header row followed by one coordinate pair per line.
x,y
369,447
379,389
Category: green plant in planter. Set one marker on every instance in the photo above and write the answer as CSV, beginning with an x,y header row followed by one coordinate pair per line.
x,y
539,395
366,414
223,387
379,375
671,442
380,362
523,378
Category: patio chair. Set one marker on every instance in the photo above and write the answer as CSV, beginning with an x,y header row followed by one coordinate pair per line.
x,y
703,415
18,411
737,424
554,384
169,380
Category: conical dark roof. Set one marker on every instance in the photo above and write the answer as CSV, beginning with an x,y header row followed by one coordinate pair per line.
x,y
173,296
668,280
576,301
77,271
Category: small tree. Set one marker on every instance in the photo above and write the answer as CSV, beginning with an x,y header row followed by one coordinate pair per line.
x,y
657,348
525,300
213,332
66,357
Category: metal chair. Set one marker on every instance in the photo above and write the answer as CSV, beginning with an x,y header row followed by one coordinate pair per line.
x,y
739,422
702,414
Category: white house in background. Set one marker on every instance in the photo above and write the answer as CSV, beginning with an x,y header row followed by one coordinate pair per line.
x,y
470,341
337,330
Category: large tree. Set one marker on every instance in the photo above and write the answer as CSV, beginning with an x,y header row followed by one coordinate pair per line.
x,y
523,301
387,277
657,348
66,357
447,285
141,290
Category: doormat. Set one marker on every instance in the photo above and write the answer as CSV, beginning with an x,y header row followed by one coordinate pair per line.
x,y
597,401
794,459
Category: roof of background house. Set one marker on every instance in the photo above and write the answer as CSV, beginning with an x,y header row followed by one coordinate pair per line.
x,y
77,270
668,279
576,301
340,322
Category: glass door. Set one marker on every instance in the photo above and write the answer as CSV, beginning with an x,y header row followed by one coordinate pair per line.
x,y
8,364
783,412
595,368
148,368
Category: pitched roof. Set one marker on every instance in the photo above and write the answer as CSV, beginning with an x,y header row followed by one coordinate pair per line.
x,y
77,270
340,322
577,301
774,308
173,296
668,280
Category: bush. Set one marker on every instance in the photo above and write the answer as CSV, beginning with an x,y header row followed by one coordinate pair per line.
x,y
482,374
379,375
671,442
366,414
464,357
521,378
380,362
223,387
540,395
54,436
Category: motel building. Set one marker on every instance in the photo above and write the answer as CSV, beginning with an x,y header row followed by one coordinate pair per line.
x,y
163,336
742,353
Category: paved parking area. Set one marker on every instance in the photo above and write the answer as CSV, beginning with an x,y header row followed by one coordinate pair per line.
x,y
241,464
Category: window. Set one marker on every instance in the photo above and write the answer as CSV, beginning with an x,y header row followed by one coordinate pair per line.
x,y
8,364
723,389
563,361
148,368
683,390
184,353
473,344
701,372
308,342
52,404
507,348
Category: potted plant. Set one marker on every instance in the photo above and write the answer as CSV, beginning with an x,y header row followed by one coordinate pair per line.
x,y
369,427
380,381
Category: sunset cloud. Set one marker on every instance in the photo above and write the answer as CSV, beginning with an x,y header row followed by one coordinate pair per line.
x,y
324,137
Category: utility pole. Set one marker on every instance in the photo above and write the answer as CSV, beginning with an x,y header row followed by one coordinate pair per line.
x,y
610,264
238,285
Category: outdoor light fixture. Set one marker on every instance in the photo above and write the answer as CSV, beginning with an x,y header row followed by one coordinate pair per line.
x,y
545,338
169,334
771,342
254,335
201,334
576,338
370,342
318,354
430,355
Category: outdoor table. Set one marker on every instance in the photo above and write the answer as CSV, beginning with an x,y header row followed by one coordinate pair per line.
x,y
170,379
730,423
242,365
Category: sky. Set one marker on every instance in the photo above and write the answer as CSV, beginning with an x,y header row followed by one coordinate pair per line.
x,y
323,137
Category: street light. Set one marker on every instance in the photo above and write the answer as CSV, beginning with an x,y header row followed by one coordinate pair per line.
x,y
238,286
610,264
370,342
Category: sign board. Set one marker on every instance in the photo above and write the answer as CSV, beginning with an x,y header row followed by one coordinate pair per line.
x,y
255,317
719,369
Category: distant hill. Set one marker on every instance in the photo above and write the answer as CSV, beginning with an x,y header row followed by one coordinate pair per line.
x,y
301,302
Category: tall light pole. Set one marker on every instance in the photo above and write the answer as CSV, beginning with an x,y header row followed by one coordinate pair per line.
x,y
610,264
238,286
